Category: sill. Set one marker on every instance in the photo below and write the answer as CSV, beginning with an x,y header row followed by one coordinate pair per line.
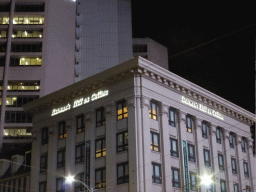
x,y
234,174
193,162
174,157
121,152
158,152
157,184
82,162
60,168
176,188
25,66
122,184
96,158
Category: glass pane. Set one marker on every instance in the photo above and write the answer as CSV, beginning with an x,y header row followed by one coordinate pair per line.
x,y
206,155
98,115
98,146
126,138
154,108
155,139
174,146
120,140
120,172
171,115
78,151
98,176
176,175
119,109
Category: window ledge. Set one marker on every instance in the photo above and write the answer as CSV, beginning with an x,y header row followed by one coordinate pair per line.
x,y
174,157
157,152
100,157
121,152
157,184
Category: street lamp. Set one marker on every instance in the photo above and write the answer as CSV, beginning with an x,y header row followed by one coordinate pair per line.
x,y
70,179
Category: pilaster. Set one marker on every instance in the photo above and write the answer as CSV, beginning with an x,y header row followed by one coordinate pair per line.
x,y
227,156
251,164
214,153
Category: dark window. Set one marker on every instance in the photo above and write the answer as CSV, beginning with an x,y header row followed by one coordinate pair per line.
x,y
221,162
191,153
172,117
175,177
122,141
155,144
243,144
100,148
248,189
156,173
80,153
4,7
123,173
139,48
189,124
43,163
42,186
33,7
100,178
100,117
17,117
193,181
61,158
60,184
236,189
233,164
19,185
62,130
80,123
231,140
79,186
207,161
25,184
174,147
218,135
44,136
246,173
153,110
204,130
222,186
26,47
121,110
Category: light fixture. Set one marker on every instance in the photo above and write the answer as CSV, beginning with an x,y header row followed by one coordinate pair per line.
x,y
206,180
70,179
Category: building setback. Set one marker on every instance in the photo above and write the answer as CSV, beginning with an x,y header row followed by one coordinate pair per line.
x,y
139,127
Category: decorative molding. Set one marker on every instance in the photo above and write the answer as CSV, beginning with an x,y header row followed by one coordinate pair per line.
x,y
181,116
52,129
89,116
163,109
35,134
144,101
131,101
110,109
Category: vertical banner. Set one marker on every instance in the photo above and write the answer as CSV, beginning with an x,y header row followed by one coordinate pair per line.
x,y
185,157
87,162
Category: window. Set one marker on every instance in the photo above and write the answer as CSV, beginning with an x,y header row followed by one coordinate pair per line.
x,y
207,161
100,178
100,148
231,140
204,130
61,158
191,153
4,20
80,124
60,184
62,130
218,135
154,141
243,144
175,177
123,173
4,7
248,189
122,141
44,136
25,184
139,48
100,117
235,187
222,186
28,20
233,164
246,173
193,181
221,162
13,133
80,153
172,117
42,186
35,7
174,147
122,110
156,173
17,117
79,186
29,47
189,124
27,34
18,101
32,86
43,163
153,110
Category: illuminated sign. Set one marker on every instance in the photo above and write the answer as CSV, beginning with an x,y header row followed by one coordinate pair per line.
x,y
79,102
202,108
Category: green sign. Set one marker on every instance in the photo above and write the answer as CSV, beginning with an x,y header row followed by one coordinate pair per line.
x,y
185,157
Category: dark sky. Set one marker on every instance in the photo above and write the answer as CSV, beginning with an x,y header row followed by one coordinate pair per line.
x,y
223,62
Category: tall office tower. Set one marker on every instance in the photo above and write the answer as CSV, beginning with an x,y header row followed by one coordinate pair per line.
x,y
46,45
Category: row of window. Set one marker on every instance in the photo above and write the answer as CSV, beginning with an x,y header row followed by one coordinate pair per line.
x,y
31,86
18,101
22,34
30,47
11,185
23,20
17,117
23,7
18,132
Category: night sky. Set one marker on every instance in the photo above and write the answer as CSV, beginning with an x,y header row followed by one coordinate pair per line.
x,y
212,46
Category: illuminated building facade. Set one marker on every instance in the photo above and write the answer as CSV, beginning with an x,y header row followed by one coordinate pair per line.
x,y
138,127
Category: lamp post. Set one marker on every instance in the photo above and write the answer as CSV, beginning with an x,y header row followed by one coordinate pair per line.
x,y
71,179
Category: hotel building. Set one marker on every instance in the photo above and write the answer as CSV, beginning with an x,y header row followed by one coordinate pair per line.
x,y
139,127
43,50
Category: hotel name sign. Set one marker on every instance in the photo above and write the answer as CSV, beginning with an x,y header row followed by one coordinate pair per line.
x,y
79,102
202,108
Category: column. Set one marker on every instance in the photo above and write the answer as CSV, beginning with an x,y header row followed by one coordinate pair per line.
x,y
227,157
52,157
145,136
70,150
239,160
251,164
133,145
165,152
35,159
110,147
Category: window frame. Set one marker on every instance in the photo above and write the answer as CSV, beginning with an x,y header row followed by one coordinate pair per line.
x,y
44,184
102,180
172,122
221,167
204,132
233,163
77,185
80,158
61,164
43,167
190,157
248,189
124,146
125,177
223,182
64,134
102,151
189,129
153,146
193,187
218,136
243,145
174,153
82,128
207,163
62,180
175,183
102,120
235,186
231,144
123,114
156,179
246,172
151,114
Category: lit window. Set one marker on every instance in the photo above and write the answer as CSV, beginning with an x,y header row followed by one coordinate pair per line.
x,y
122,141
122,110
155,141
100,178
156,173
62,130
153,110
100,148
123,173
189,124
